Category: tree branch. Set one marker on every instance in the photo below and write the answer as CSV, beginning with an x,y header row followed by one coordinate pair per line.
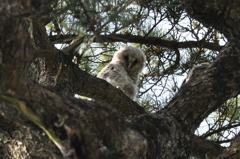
x,y
202,147
170,69
233,151
220,129
109,127
19,140
141,40
220,81
90,86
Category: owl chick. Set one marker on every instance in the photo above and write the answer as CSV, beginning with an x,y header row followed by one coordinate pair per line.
x,y
124,69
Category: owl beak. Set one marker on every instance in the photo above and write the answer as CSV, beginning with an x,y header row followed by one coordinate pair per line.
x,y
130,63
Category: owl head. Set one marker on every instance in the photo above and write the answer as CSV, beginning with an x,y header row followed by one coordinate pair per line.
x,y
131,58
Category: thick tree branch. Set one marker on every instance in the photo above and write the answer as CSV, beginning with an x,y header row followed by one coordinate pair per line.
x,y
105,92
202,148
109,127
220,81
233,151
141,40
82,83
160,130
19,140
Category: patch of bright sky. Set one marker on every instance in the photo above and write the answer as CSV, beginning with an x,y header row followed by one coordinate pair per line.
x,y
208,123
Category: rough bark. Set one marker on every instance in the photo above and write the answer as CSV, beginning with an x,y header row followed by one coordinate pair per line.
x,y
218,83
18,140
82,129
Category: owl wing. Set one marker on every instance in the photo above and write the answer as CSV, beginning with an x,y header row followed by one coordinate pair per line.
x,y
114,74
118,77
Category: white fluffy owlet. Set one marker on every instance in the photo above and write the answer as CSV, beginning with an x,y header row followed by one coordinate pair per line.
x,y
124,69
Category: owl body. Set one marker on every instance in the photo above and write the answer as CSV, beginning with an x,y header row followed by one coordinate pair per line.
x,y
124,69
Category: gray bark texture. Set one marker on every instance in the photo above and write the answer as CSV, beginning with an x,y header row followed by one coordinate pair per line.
x,y
40,118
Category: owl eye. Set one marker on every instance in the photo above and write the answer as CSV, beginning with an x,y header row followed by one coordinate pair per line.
x,y
135,61
125,58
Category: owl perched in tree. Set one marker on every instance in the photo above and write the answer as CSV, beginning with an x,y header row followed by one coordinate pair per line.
x,y
124,69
